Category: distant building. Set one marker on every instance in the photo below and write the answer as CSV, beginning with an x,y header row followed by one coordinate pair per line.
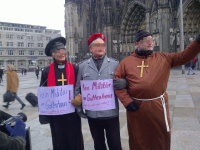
x,y
23,45
119,21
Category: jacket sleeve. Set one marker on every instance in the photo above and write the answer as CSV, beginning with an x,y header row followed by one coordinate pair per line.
x,y
9,143
8,81
43,118
75,72
78,83
44,75
123,96
77,89
181,58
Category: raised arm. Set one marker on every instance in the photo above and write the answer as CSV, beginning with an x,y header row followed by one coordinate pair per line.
x,y
181,58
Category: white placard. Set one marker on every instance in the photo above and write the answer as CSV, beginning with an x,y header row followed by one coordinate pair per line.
x,y
98,95
55,100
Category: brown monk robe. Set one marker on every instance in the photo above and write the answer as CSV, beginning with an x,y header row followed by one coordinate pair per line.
x,y
147,127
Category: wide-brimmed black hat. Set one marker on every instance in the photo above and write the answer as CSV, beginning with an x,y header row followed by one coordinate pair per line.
x,y
52,44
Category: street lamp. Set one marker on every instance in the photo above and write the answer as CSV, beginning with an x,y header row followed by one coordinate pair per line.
x,y
182,38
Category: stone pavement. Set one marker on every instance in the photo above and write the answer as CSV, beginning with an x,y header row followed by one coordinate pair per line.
x,y
184,105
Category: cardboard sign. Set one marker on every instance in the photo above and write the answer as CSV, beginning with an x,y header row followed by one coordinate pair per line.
x,y
97,95
55,100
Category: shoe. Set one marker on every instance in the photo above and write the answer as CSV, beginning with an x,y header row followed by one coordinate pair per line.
x,y
6,106
193,73
23,105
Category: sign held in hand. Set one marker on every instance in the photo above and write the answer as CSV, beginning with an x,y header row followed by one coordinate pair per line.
x,y
55,100
98,95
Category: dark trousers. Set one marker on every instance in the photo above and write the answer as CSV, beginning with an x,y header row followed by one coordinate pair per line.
x,y
66,132
112,130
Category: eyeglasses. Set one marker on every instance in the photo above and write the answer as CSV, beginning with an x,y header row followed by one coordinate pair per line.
x,y
99,45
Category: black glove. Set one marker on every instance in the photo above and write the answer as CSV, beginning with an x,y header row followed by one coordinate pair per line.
x,y
133,106
18,130
120,83
198,38
80,112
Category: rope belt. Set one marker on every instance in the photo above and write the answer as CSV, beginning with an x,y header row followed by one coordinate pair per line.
x,y
164,107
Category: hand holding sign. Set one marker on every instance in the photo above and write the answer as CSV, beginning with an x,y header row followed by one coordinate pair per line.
x,y
55,100
77,100
97,95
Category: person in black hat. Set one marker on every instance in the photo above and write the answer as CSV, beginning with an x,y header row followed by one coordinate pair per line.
x,y
146,99
65,129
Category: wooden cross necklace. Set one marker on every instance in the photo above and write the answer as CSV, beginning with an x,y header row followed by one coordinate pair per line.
x,y
142,68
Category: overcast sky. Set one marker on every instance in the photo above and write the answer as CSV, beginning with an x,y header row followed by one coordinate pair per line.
x,y
49,13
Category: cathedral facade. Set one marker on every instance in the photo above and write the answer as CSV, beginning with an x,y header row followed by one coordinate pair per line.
x,y
119,21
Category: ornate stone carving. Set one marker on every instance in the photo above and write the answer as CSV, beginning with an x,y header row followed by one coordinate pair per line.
x,y
172,37
178,38
154,23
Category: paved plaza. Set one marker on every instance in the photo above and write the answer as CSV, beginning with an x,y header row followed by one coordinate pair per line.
x,y
184,106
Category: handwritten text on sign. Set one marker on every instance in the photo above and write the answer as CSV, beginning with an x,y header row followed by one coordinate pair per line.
x,y
55,100
97,95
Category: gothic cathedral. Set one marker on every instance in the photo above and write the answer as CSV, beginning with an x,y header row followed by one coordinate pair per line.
x,y
119,21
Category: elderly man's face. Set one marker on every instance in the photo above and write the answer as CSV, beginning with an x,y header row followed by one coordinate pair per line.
x,y
98,48
59,55
145,44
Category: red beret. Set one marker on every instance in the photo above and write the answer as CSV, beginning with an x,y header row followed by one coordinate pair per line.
x,y
94,37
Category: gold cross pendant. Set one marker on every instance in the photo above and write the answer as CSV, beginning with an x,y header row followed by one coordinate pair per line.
x,y
142,67
63,80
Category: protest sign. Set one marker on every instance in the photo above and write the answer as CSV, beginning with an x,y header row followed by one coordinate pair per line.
x,y
97,95
55,100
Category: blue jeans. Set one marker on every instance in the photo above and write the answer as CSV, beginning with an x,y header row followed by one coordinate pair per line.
x,y
190,68
19,100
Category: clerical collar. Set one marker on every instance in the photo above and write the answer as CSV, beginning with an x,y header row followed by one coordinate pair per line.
x,y
59,65
143,52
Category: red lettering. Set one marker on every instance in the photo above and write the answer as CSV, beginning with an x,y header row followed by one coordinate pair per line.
x,y
84,98
85,88
106,96
94,85
69,95
88,98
